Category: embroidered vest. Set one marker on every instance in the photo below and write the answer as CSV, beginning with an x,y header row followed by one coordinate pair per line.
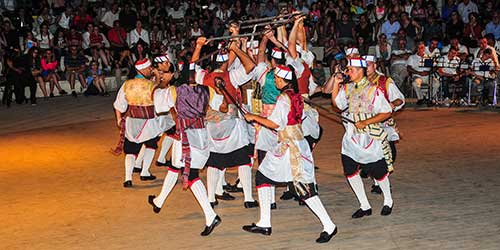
x,y
296,107
269,91
139,92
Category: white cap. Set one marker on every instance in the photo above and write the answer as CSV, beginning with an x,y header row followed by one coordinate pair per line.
x,y
277,53
142,64
162,58
283,72
369,58
351,51
357,62
222,57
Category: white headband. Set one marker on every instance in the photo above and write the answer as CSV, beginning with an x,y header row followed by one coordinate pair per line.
x,y
283,72
357,62
162,58
369,58
143,65
192,66
180,65
277,53
222,58
351,51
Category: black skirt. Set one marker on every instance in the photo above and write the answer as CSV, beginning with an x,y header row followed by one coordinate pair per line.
x,y
236,158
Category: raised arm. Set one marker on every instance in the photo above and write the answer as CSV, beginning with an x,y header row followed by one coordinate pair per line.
x,y
200,42
244,58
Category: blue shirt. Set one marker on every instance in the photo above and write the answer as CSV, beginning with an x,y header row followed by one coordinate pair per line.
x,y
494,29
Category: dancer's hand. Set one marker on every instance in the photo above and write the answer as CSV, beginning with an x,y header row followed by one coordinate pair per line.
x,y
360,124
250,117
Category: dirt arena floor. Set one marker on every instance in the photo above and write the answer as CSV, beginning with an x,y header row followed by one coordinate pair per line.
x,y
62,189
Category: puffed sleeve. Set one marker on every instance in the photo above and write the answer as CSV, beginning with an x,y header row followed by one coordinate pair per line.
x,y
280,112
164,99
120,103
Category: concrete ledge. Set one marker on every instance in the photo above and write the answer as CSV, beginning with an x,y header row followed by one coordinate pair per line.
x,y
110,81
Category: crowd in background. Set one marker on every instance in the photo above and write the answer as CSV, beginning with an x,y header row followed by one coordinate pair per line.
x,y
82,41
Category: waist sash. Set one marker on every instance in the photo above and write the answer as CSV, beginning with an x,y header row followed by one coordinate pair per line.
x,y
142,112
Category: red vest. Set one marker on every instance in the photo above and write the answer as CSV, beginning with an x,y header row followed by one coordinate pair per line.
x,y
304,80
209,80
382,85
296,107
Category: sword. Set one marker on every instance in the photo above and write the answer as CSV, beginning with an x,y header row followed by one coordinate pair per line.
x,y
346,119
219,83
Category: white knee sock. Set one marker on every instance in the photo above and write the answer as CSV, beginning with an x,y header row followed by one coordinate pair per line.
x,y
168,185
385,185
140,157
245,175
221,181
165,146
264,206
359,190
213,175
319,210
200,193
149,154
129,166
273,194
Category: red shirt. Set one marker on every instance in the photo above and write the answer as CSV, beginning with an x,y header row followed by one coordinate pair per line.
x,y
81,21
114,36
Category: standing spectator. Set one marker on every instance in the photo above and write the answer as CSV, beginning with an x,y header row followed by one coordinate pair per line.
x,y
465,8
64,20
49,65
138,34
111,16
483,46
454,27
18,73
383,53
74,64
493,27
127,17
45,38
390,27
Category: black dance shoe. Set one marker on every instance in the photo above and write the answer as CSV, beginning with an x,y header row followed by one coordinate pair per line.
x,y
214,203
325,237
225,196
209,229
273,206
376,190
166,164
258,230
360,213
137,170
287,195
152,203
233,188
127,184
251,204
148,178
386,210
302,203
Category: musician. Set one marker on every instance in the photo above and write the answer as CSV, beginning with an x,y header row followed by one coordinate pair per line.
x,y
421,74
483,73
432,50
483,45
363,142
450,75
461,49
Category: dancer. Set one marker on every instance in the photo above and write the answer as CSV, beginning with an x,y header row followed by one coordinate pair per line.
x,y
291,160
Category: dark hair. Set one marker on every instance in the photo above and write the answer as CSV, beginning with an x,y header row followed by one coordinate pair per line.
x,y
487,51
294,83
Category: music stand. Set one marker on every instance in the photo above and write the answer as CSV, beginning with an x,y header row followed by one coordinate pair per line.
x,y
483,68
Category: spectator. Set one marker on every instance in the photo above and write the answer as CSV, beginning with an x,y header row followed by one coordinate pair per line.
x,y
432,50
98,45
223,13
127,17
156,38
11,38
473,30
60,45
138,34
49,65
19,75
157,11
86,40
74,64
484,80
82,19
462,51
493,27
74,38
465,8
64,20
450,78
95,78
143,14
253,9
345,30
410,26
383,53
301,7
176,12
483,46
29,42
364,29
420,74
399,59
238,12
270,9
111,16
418,12
195,31
45,38
454,27
117,39
390,27
432,28
409,42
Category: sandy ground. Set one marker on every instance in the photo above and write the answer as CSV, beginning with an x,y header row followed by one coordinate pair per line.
x,y
61,189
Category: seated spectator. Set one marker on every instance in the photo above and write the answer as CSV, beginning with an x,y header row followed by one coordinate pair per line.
x,y
345,30
383,53
449,7
420,74
81,19
95,78
29,42
270,9
493,27
399,59
45,38
364,29
473,30
390,27
127,17
410,43
86,39
60,45
74,64
156,39
432,28
74,38
34,62
111,16
49,66
196,31
98,45
143,15
64,20
138,34
483,45
223,13
465,8
462,50
455,26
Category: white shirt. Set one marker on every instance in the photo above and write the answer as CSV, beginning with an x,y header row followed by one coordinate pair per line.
x,y
416,62
43,41
478,63
134,36
64,21
465,10
238,76
86,40
398,53
435,52
461,49
109,18
176,14
449,66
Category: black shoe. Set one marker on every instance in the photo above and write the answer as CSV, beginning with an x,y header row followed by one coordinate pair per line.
x,y
127,184
51,95
62,92
360,213
302,203
316,168
325,237
166,164
225,187
73,93
209,229
148,178
386,210
233,188
152,203
420,102
273,206
287,195
225,196
258,230
214,203
137,170
376,190
251,204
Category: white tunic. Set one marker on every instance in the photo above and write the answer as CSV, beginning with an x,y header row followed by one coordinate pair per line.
x,y
394,94
164,100
138,130
361,147
276,166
